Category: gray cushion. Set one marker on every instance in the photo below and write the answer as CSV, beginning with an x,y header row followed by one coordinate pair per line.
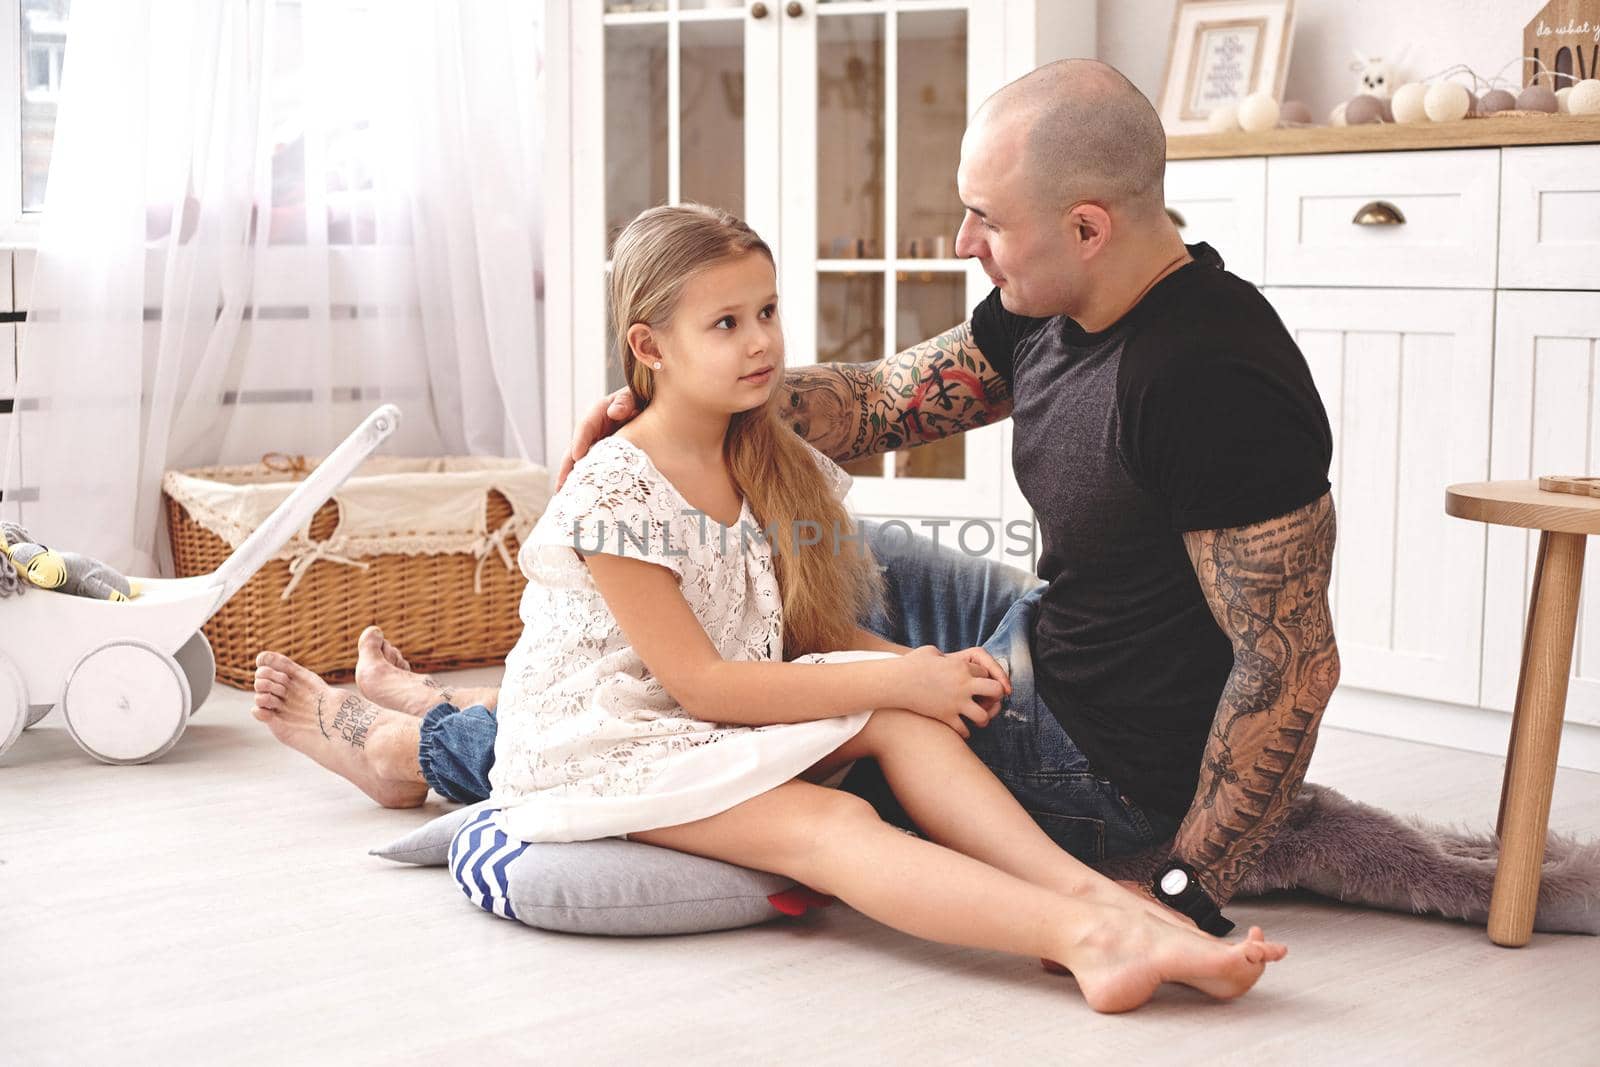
x,y
610,886
429,844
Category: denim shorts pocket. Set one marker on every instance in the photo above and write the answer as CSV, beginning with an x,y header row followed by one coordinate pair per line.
x,y
1136,816
1080,835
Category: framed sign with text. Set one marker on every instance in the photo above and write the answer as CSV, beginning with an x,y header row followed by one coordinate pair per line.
x,y
1220,52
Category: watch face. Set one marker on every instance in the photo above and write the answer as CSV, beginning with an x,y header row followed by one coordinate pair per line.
x,y
1174,882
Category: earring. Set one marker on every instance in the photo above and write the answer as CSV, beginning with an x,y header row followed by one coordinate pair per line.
x,y
658,364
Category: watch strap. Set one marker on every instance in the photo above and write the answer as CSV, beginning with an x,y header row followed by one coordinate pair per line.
x,y
1193,901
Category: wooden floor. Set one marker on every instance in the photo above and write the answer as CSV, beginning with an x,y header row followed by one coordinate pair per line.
x,y
219,906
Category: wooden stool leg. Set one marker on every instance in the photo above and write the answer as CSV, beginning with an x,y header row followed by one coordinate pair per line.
x,y
1536,737
1522,682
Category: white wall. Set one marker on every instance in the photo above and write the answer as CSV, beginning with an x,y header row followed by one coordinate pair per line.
x,y
1484,34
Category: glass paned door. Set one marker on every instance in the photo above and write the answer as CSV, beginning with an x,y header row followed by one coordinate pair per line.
x,y
876,214
636,122
834,129
680,79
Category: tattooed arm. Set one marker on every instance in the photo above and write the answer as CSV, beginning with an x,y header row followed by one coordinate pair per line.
x,y
1267,585
932,390
941,387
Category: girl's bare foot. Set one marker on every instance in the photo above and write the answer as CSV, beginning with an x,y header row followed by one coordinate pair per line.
x,y
384,677
1127,897
1119,965
373,747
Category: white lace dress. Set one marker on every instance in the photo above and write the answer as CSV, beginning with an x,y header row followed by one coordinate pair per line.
x,y
589,744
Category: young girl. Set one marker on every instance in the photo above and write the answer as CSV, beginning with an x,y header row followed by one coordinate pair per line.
x,y
683,682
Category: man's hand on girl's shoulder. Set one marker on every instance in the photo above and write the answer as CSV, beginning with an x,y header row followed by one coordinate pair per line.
x,y
599,422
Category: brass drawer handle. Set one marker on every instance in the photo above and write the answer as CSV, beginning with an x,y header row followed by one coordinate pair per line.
x,y
1379,213
1177,219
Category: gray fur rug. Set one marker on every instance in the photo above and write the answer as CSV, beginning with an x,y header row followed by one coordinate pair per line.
x,y
1337,847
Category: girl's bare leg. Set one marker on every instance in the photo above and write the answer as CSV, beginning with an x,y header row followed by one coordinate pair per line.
x,y
835,843
956,800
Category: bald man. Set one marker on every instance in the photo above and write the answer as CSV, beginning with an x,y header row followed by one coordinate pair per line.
x,y
1173,656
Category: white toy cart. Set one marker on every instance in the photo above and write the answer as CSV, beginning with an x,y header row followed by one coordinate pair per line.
x,y
128,675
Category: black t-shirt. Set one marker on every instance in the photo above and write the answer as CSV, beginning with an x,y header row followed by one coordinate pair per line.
x,y
1195,411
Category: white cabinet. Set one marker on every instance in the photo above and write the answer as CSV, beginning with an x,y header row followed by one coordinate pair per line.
x,y
1546,421
1415,219
1461,345
1405,376
1218,201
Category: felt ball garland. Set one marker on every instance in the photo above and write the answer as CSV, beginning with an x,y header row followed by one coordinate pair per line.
x,y
1447,102
1496,100
1407,104
1432,99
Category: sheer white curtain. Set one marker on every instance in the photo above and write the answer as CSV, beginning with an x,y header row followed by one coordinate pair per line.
x,y
265,217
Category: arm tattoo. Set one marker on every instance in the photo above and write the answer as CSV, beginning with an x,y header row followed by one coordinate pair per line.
x,y
1267,586
932,390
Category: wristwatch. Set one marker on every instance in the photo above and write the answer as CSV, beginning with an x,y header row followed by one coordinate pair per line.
x,y
1177,886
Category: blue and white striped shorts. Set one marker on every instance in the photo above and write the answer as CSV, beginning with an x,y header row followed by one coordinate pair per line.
x,y
480,853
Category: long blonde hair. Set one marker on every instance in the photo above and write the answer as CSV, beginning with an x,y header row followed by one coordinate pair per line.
x,y
828,586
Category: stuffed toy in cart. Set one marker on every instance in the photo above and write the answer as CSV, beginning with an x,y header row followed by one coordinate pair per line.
x,y
30,563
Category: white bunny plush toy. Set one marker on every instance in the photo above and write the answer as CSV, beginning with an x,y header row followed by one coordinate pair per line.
x,y
1376,76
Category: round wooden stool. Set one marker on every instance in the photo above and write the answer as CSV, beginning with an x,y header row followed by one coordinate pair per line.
x,y
1563,521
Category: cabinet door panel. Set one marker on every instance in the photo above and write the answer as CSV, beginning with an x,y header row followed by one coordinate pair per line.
x,y
1546,421
1550,217
1223,203
1405,377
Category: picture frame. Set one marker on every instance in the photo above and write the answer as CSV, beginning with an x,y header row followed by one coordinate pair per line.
x,y
1221,51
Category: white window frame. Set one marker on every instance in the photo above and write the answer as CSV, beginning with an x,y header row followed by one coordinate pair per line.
x,y
18,229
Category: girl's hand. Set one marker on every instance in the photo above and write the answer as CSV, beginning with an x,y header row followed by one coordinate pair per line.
x,y
983,665
953,688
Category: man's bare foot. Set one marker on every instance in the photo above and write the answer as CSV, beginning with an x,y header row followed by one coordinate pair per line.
x,y
1119,966
373,747
384,677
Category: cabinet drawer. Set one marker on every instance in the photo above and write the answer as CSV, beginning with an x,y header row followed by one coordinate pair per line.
x,y
1550,217
1219,201
1448,202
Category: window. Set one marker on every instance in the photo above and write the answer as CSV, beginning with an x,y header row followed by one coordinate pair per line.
x,y
43,38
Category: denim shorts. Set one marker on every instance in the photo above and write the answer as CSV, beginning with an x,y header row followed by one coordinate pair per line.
x,y
936,595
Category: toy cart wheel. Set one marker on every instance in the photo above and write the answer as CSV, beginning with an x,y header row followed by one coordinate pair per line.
x,y
13,704
199,666
126,702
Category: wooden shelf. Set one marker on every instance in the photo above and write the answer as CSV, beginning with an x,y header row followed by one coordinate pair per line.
x,y
1493,132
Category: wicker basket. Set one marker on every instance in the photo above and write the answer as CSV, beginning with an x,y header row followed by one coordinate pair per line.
x,y
426,604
